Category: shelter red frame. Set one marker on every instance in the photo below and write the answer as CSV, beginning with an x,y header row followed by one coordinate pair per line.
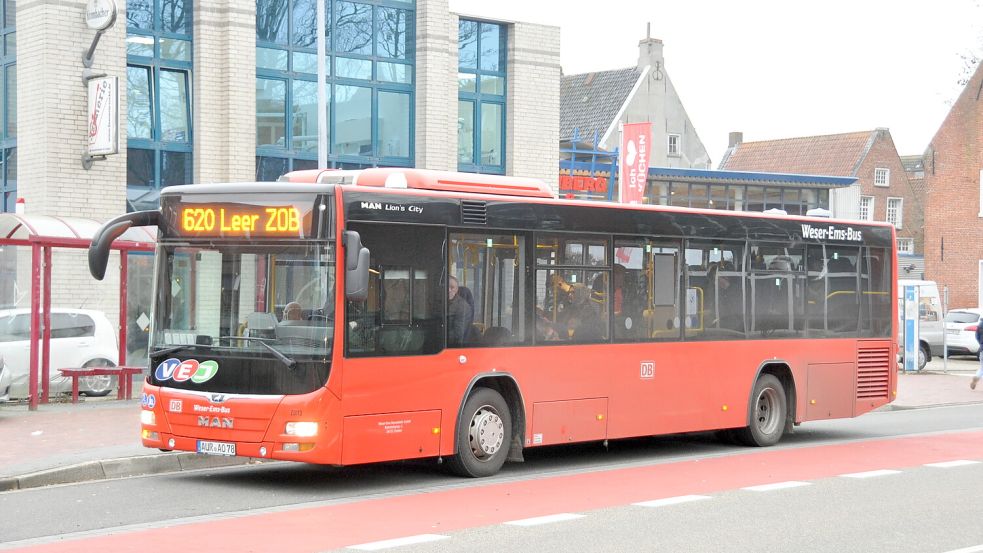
x,y
42,233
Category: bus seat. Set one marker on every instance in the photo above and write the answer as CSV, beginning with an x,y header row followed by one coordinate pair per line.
x,y
261,324
299,335
496,336
401,340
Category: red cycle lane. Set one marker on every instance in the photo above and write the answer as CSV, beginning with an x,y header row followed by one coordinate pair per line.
x,y
334,526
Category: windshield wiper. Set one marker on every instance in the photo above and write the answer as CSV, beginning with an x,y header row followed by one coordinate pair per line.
x,y
172,349
290,363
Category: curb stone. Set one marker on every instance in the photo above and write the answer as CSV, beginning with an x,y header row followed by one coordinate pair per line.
x,y
121,468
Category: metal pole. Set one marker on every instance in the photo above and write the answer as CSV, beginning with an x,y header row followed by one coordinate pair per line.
x,y
32,385
945,311
122,308
322,94
46,337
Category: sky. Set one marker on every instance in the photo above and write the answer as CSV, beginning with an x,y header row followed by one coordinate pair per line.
x,y
777,68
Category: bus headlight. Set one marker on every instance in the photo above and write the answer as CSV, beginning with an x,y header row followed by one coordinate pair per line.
x,y
302,429
148,418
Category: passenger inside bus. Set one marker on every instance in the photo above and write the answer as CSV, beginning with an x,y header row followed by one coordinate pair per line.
x,y
293,314
460,313
582,321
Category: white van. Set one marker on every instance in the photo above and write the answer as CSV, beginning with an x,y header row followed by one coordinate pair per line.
x,y
930,319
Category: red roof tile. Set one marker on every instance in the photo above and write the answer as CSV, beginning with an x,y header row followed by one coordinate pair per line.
x,y
832,155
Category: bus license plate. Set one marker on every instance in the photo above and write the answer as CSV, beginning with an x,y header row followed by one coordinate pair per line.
x,y
216,448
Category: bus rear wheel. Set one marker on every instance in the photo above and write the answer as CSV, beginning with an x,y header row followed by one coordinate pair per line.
x,y
484,433
767,413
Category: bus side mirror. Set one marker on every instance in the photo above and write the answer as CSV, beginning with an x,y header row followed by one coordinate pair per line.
x,y
356,267
102,242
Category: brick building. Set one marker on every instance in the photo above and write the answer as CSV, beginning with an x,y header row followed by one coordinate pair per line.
x,y
882,191
913,266
953,165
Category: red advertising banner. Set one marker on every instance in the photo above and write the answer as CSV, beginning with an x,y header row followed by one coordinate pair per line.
x,y
635,138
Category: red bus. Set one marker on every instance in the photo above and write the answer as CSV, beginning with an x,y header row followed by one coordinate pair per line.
x,y
347,317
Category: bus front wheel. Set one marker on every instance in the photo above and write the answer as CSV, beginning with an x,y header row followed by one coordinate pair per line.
x,y
484,432
767,413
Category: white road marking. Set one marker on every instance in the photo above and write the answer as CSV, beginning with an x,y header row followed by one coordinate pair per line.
x,y
871,473
409,540
973,549
671,500
950,464
536,521
776,486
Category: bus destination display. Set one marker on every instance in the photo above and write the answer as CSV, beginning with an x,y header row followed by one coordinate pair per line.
x,y
246,220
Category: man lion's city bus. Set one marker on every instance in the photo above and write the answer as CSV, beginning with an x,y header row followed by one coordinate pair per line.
x,y
580,321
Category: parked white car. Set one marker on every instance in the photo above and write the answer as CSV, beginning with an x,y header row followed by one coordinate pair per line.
x,y
4,381
79,338
960,331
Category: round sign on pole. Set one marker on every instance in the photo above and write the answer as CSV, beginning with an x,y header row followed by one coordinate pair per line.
x,y
100,14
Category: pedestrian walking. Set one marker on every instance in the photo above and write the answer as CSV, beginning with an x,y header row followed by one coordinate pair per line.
x,y
979,371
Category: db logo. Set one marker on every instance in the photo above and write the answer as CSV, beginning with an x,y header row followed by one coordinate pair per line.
x,y
182,371
647,369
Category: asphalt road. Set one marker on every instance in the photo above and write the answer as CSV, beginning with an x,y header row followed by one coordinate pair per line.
x,y
918,509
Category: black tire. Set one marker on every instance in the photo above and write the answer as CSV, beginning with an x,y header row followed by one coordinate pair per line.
x,y
97,386
484,434
766,413
923,356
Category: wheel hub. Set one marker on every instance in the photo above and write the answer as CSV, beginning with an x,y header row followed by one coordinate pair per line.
x,y
487,432
767,411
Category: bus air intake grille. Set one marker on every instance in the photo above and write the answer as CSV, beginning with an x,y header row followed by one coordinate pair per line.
x,y
475,213
873,372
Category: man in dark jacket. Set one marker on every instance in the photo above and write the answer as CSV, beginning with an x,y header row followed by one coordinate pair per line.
x,y
459,314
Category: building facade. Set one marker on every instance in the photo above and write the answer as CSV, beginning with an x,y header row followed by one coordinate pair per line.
x,y
597,104
228,90
953,165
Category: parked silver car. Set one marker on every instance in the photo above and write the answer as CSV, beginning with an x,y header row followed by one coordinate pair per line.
x,y
79,338
960,331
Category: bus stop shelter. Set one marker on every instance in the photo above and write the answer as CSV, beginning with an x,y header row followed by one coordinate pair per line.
x,y
41,234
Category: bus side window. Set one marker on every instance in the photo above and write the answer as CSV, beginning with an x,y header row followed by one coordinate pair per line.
x,y
572,288
716,308
490,273
645,291
403,313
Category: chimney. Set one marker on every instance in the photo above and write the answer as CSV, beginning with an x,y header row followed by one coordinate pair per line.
x,y
650,51
734,138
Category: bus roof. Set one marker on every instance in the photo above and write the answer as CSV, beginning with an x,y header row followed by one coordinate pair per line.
x,y
426,179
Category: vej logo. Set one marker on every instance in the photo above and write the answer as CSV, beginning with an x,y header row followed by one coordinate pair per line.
x,y
182,371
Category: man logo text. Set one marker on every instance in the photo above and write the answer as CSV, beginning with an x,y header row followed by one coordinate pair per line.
x,y
215,422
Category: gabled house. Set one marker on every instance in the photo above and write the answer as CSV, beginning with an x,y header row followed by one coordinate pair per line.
x,y
599,102
882,191
953,165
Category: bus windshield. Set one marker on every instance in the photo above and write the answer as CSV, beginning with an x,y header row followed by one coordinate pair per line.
x,y
273,301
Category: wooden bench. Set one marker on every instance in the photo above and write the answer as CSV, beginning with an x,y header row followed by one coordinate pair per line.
x,y
124,377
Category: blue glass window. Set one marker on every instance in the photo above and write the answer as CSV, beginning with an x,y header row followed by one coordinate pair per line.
x,y
481,89
8,106
158,118
353,120
368,89
271,112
